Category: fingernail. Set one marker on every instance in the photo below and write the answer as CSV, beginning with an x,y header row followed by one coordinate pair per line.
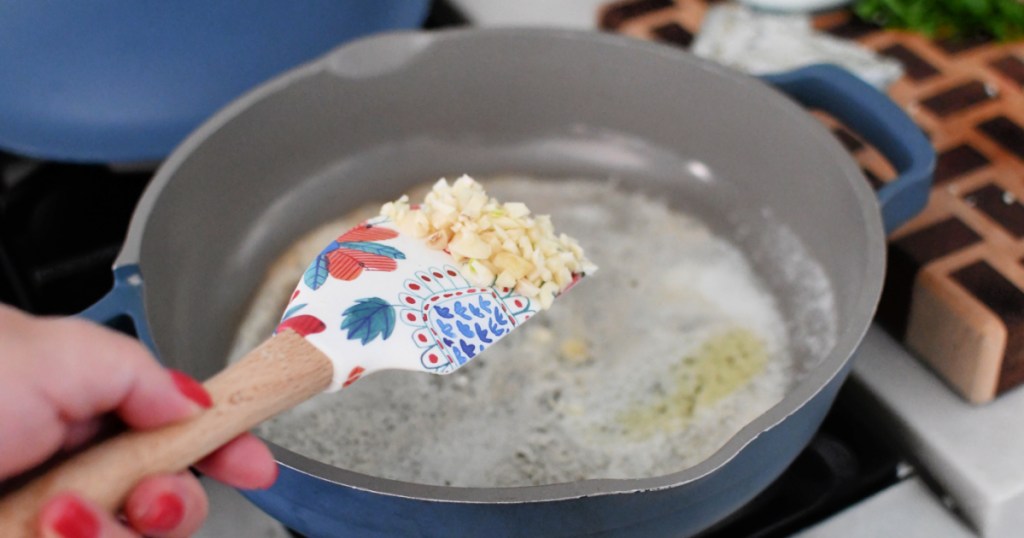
x,y
74,520
192,389
164,514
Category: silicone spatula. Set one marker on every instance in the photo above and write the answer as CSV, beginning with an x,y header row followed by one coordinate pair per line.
x,y
374,299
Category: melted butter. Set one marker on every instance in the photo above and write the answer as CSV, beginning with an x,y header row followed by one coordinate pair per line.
x,y
723,364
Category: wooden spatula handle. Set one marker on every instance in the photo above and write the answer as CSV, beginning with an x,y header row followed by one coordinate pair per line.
x,y
279,374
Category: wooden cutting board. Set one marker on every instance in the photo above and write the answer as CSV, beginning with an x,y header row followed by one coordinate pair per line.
x,y
954,291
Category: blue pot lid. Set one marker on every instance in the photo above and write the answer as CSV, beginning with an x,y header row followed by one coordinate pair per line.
x,y
126,80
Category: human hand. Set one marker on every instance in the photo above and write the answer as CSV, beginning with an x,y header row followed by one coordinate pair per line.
x,y
60,377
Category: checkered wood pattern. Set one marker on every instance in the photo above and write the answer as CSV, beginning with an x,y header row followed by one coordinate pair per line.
x,y
954,287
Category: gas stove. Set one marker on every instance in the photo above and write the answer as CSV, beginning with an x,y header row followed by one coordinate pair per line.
x,y
888,459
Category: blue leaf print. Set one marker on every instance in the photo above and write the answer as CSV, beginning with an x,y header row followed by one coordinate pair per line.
x,y
291,311
446,328
464,329
460,309
330,248
485,305
497,331
448,342
481,334
316,274
499,317
443,312
475,311
374,248
459,357
368,319
470,349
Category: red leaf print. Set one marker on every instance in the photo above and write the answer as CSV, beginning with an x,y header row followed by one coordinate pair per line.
x,y
343,266
365,232
347,263
370,261
303,325
354,375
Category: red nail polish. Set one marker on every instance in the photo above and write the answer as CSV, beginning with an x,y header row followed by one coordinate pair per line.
x,y
164,514
74,520
192,389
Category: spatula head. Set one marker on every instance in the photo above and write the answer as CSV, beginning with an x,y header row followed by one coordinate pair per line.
x,y
377,299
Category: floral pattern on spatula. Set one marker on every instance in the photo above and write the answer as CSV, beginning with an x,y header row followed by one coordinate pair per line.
x,y
378,299
453,320
355,251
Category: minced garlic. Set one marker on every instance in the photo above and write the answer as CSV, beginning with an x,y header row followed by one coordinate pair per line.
x,y
497,244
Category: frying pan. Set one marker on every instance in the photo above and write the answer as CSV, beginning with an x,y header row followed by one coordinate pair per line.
x,y
371,119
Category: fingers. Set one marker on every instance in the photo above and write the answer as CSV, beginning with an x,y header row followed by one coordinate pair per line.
x,y
32,430
167,506
56,375
70,516
86,370
244,462
164,506
78,433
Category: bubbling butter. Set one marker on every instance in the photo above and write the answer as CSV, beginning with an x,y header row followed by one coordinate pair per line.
x,y
679,316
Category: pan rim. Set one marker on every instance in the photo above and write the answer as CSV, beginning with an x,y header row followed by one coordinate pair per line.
x,y
831,365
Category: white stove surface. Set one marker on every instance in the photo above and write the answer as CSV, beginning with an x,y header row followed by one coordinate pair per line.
x,y
580,14
908,510
971,453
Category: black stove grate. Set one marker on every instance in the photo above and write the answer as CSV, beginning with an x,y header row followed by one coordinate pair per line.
x,y
61,226
846,462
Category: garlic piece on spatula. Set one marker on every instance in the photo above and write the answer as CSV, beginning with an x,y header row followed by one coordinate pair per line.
x,y
495,243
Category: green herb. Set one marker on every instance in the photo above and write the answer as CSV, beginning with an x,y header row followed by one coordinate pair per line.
x,y
948,19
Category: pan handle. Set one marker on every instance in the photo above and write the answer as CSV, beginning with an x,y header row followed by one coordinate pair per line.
x,y
878,119
123,300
